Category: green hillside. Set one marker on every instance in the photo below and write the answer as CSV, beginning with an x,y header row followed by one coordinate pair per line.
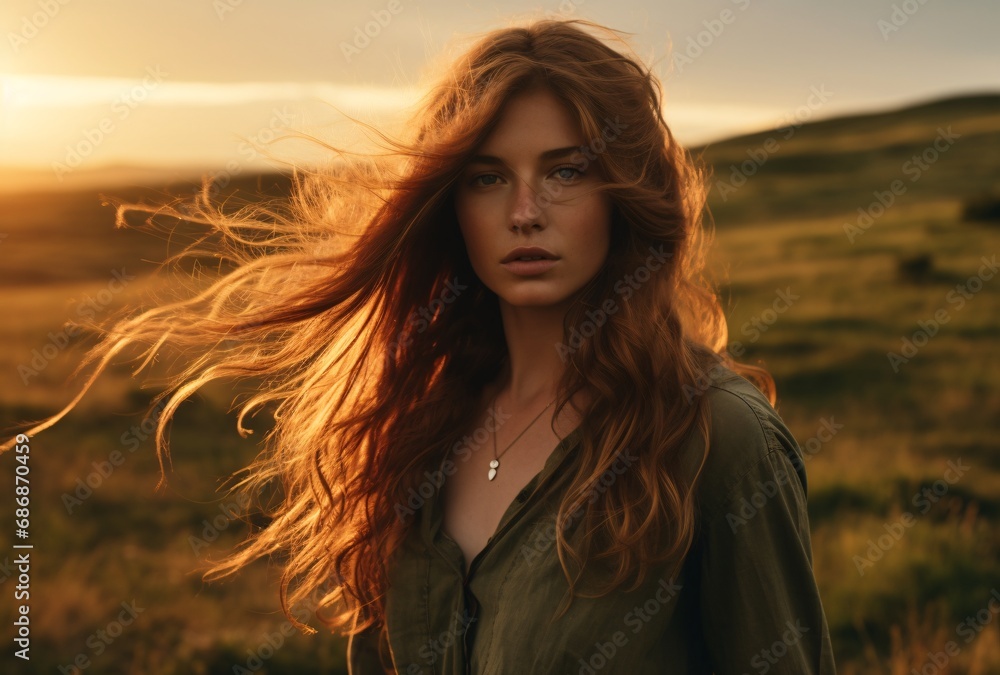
x,y
819,167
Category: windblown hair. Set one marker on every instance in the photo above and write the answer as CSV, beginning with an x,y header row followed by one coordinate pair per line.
x,y
332,304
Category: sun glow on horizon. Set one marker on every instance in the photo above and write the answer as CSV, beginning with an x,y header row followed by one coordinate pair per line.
x,y
156,88
55,129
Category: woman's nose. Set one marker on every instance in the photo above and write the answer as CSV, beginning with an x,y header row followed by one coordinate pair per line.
x,y
526,209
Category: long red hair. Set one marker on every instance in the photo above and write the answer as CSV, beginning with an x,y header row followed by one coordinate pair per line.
x,y
332,304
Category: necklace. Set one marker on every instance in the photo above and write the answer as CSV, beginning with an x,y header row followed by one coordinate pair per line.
x,y
495,462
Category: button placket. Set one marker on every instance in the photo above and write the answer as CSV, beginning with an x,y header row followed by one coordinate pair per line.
x,y
513,513
472,608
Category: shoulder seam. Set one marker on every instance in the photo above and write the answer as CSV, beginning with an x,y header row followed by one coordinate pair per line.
x,y
769,440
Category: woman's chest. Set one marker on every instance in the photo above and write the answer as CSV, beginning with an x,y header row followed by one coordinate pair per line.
x,y
473,504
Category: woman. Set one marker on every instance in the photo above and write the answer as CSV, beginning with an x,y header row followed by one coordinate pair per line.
x,y
530,452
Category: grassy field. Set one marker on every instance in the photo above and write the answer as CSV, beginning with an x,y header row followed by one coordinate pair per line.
x,y
795,225
835,249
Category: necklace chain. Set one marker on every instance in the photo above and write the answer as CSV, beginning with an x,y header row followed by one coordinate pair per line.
x,y
495,462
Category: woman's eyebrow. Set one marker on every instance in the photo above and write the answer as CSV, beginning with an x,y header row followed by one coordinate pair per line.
x,y
548,154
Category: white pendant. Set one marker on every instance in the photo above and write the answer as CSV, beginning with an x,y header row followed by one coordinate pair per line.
x,y
493,468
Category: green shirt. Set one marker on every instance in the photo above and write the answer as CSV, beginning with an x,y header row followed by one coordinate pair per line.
x,y
744,602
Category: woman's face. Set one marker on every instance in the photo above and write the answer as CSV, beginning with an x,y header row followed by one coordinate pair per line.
x,y
529,185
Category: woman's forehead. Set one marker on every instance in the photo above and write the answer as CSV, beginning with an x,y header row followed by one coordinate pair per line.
x,y
535,120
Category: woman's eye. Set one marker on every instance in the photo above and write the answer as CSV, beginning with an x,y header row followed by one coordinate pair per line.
x,y
567,176
475,181
564,173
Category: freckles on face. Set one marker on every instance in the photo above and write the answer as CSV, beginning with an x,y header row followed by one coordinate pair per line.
x,y
529,184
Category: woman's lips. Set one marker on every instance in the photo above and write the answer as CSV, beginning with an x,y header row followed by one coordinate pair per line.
x,y
529,268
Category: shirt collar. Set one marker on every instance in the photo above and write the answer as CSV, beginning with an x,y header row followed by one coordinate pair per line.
x,y
432,515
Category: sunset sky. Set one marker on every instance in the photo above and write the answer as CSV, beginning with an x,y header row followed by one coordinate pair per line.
x,y
88,84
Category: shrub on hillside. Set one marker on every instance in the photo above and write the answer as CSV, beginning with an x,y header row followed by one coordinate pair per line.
x,y
984,207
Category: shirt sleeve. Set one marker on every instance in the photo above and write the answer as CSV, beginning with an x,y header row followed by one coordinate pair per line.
x,y
760,607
